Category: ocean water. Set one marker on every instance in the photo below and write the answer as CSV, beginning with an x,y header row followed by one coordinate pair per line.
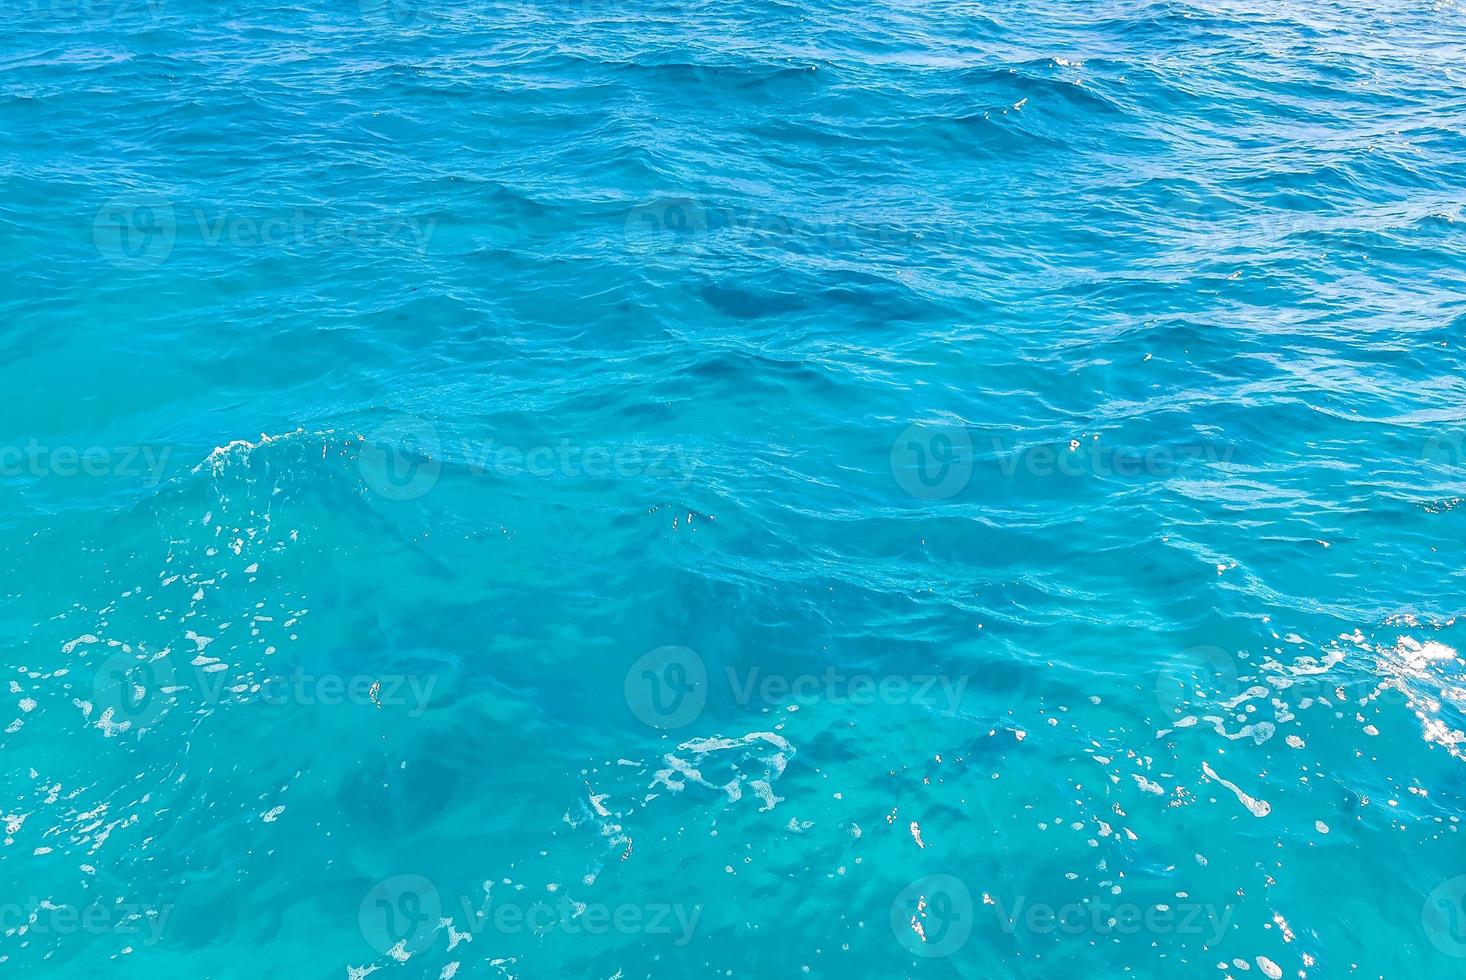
x,y
777,489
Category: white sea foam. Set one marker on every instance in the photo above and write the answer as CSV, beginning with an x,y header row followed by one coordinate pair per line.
x,y
1258,808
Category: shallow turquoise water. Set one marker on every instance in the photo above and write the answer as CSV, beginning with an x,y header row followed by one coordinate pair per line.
x,y
649,490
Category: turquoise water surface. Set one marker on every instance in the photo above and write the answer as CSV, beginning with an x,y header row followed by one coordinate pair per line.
x,y
648,490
